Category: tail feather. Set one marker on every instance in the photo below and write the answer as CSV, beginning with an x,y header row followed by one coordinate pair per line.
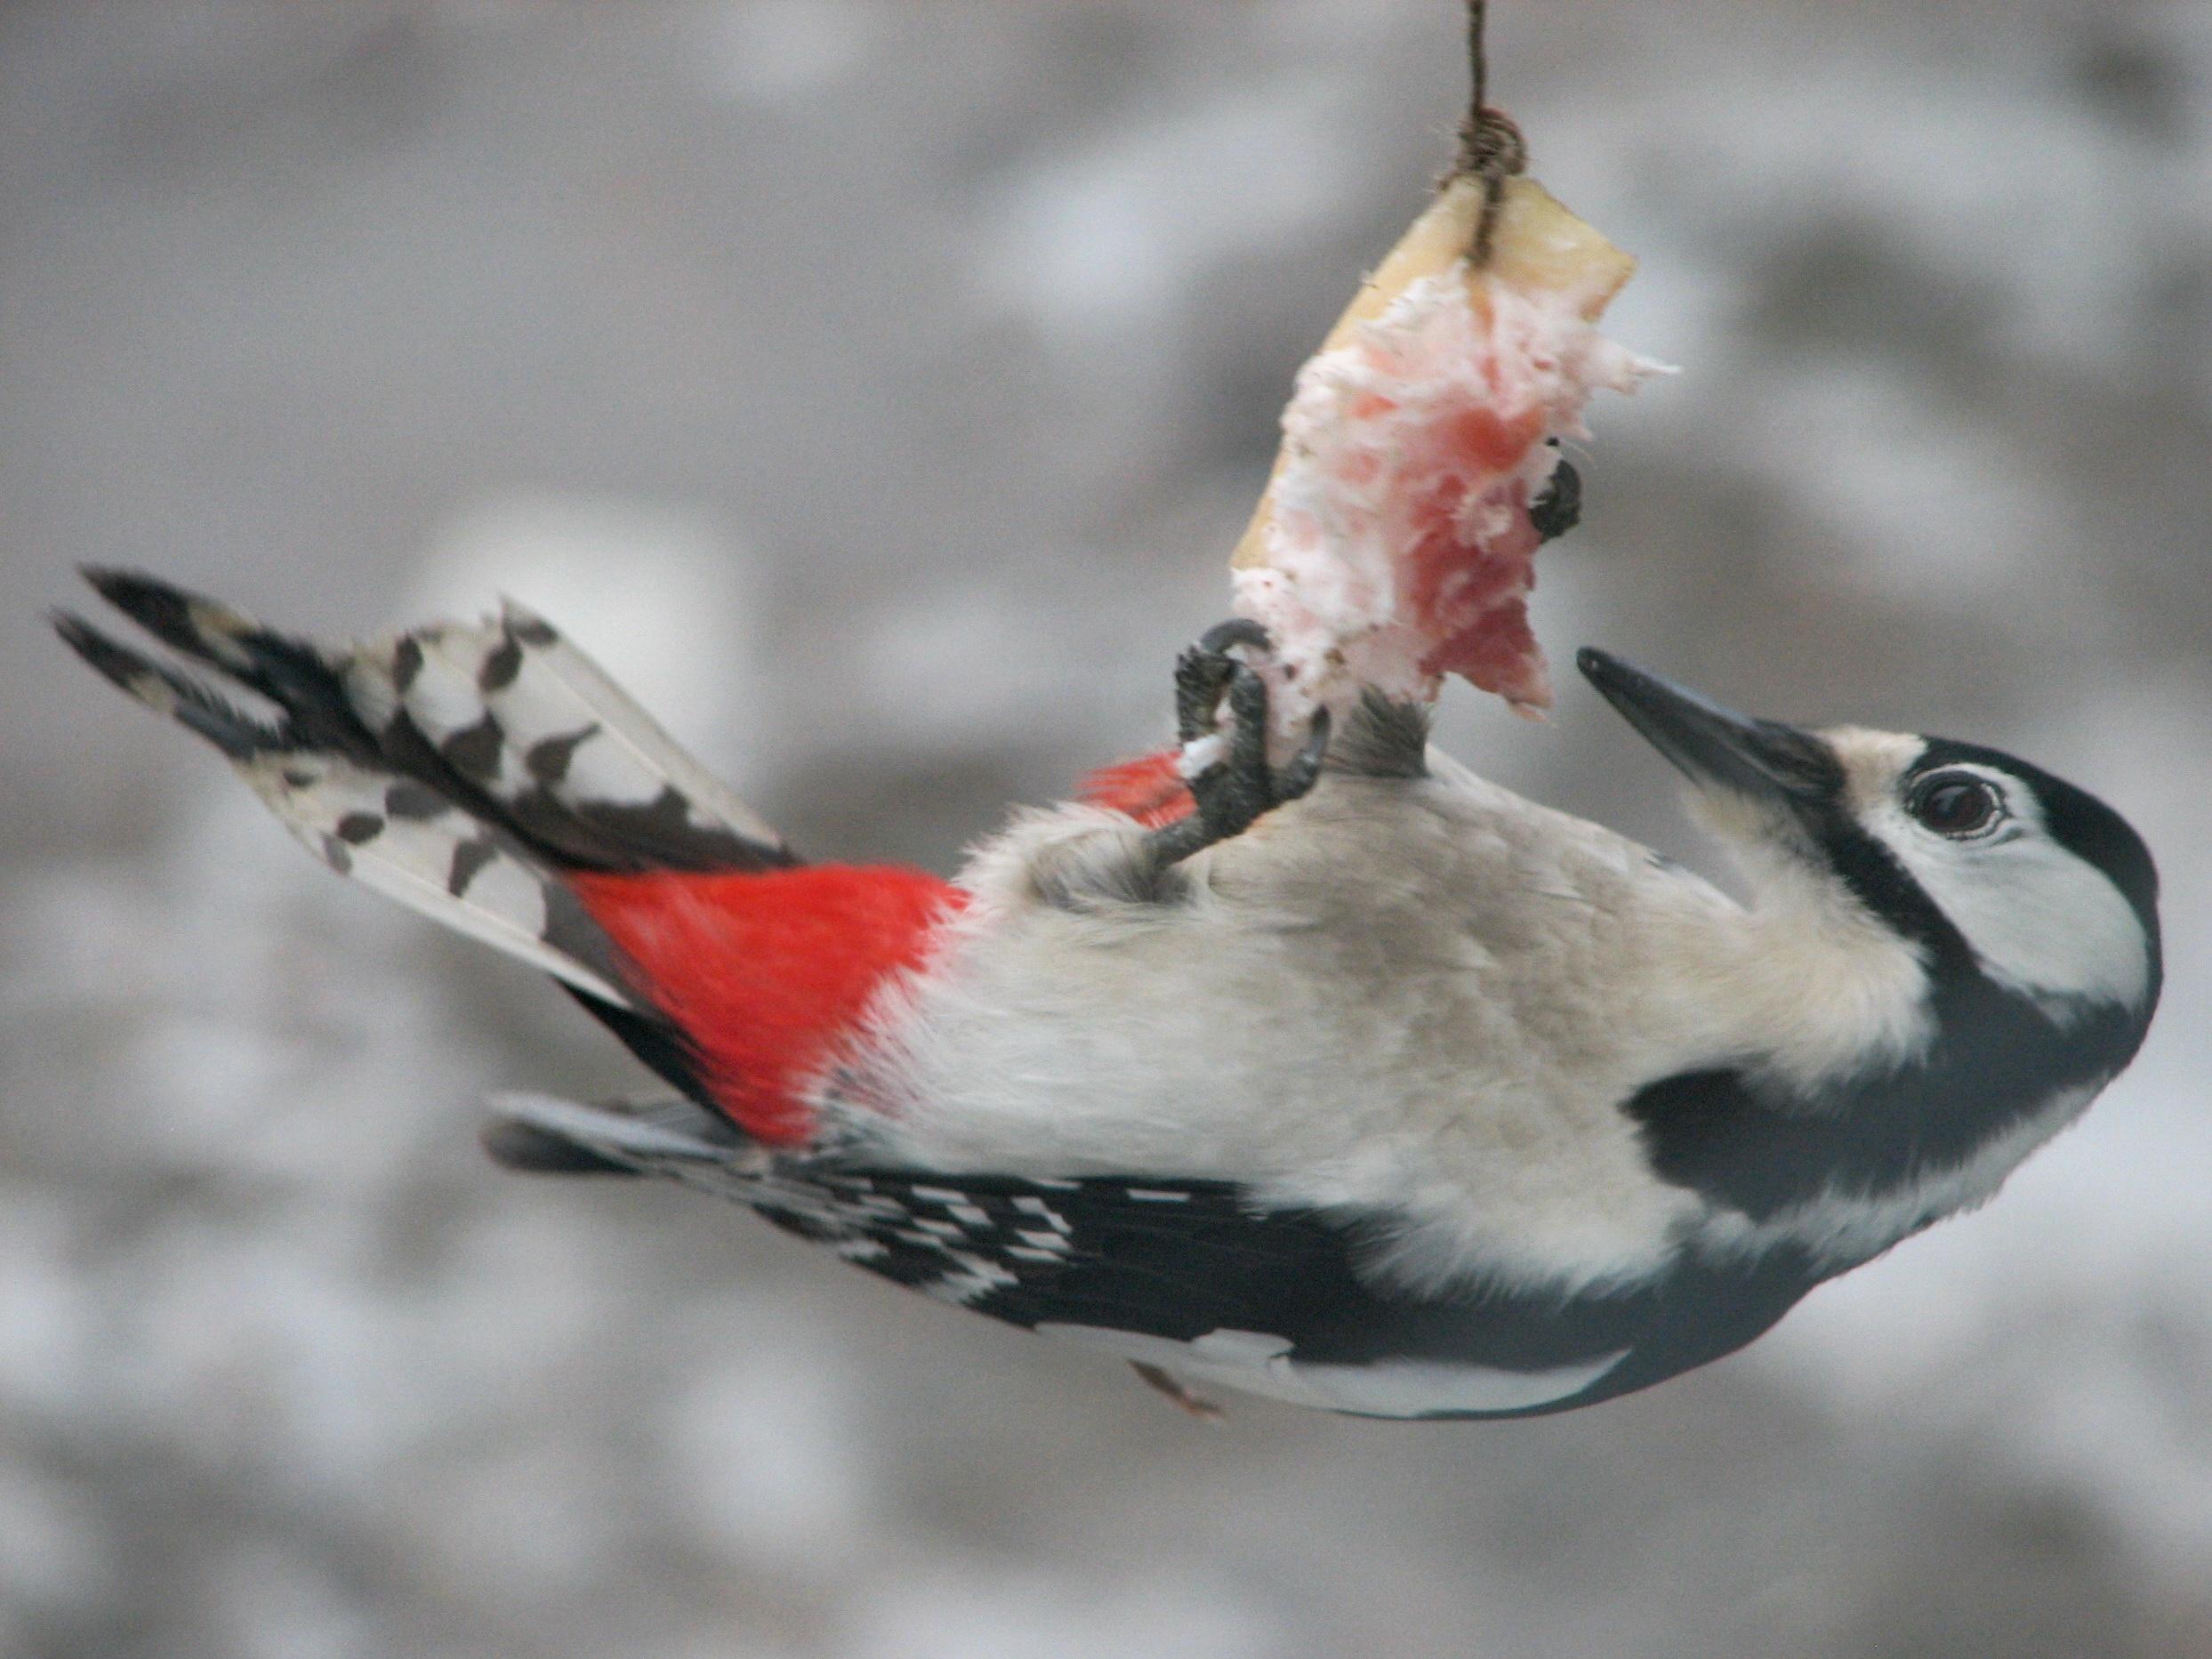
x,y
460,769
391,834
676,1141
489,776
566,756
626,760
504,716
407,843
237,734
291,673
544,1133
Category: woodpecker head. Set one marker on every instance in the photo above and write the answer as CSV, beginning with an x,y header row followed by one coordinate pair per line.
x,y
1993,870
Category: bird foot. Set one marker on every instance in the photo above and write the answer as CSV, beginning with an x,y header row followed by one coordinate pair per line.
x,y
1197,1404
1236,784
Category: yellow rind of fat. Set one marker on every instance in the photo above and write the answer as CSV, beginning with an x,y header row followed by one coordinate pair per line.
x,y
1536,246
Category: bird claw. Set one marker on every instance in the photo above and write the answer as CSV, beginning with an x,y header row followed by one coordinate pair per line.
x,y
1197,1404
1559,508
1237,789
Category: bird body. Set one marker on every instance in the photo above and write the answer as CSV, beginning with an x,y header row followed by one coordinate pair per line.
x,y
1386,1090
1431,1006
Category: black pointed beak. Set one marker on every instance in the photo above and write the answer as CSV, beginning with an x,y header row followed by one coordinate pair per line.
x,y
1713,746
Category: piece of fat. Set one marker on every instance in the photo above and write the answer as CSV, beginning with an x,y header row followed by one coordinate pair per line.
x,y
1394,544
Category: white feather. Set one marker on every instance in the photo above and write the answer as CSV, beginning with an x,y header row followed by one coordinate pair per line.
x,y
443,698
623,1135
1254,1363
1429,1012
408,860
571,682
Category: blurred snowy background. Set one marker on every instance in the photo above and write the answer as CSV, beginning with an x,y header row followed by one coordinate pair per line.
x,y
878,389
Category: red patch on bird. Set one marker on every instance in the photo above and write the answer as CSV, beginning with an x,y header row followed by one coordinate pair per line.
x,y
768,973
1149,789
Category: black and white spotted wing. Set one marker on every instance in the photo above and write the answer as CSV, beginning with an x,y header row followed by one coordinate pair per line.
x,y
1195,1277
1161,1259
1171,1259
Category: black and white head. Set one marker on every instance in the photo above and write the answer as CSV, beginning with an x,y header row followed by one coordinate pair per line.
x,y
2033,906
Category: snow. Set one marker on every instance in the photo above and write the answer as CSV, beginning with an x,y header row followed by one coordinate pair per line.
x,y
780,52
1107,239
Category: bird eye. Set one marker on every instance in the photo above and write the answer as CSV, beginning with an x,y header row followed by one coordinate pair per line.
x,y
1955,803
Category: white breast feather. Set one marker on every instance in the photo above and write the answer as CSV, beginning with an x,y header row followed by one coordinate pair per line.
x,y
1431,1013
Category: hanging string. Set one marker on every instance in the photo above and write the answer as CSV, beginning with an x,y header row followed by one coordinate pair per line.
x,y
1490,145
1477,60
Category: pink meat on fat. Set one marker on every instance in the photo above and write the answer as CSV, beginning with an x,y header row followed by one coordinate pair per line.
x,y
1397,545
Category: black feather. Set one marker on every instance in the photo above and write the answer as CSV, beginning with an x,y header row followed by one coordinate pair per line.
x,y
535,1151
658,1044
1180,1261
231,729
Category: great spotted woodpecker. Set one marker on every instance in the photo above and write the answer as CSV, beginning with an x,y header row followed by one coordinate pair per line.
x,y
1361,1083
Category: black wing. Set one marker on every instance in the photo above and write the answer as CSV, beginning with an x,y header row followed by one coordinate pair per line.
x,y
1200,1263
1200,1275
1169,1259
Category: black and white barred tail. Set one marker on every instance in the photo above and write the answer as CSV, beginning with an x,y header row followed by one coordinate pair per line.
x,y
461,769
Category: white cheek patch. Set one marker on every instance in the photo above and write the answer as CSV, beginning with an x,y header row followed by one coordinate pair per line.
x,y
1254,1363
2041,922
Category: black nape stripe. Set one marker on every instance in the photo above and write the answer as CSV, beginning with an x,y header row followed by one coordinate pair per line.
x,y
1997,1061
